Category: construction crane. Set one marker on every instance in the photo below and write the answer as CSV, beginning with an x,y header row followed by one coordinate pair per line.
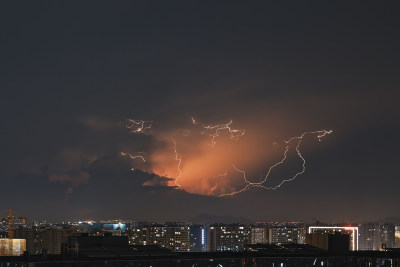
x,y
11,220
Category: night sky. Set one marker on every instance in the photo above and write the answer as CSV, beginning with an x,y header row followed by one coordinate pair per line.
x,y
73,73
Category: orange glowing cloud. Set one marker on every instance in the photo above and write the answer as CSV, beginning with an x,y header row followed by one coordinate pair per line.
x,y
211,159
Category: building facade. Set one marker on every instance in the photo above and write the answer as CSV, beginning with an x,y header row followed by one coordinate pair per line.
x,y
198,238
174,237
352,231
259,235
286,235
388,235
377,236
12,247
370,236
228,237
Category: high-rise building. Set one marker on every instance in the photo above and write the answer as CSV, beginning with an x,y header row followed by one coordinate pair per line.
x,y
370,236
52,240
388,235
174,237
177,238
33,236
286,235
375,236
198,238
259,235
397,236
154,234
228,237
352,231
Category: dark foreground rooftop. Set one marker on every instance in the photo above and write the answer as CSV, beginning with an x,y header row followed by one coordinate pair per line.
x,y
261,255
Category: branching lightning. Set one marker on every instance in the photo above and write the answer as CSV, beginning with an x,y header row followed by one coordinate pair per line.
x,y
296,141
215,130
138,126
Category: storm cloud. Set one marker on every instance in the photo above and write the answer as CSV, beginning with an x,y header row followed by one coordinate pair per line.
x,y
72,73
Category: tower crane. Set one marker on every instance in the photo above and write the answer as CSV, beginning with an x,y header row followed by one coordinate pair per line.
x,y
11,220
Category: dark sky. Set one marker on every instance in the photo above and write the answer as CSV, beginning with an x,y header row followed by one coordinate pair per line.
x,y
73,72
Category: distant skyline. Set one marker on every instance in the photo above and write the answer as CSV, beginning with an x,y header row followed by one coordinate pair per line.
x,y
204,219
73,76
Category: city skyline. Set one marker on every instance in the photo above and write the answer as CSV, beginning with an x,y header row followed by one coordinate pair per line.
x,y
172,111
206,237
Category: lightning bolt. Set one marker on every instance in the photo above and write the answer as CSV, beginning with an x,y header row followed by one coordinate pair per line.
x,y
297,142
138,126
222,175
133,157
214,131
178,158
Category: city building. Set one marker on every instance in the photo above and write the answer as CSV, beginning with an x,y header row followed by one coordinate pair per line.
x,y
33,237
12,247
177,237
198,238
52,240
375,236
286,234
352,231
370,236
154,234
259,235
228,237
337,242
173,237
135,236
397,236
388,235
